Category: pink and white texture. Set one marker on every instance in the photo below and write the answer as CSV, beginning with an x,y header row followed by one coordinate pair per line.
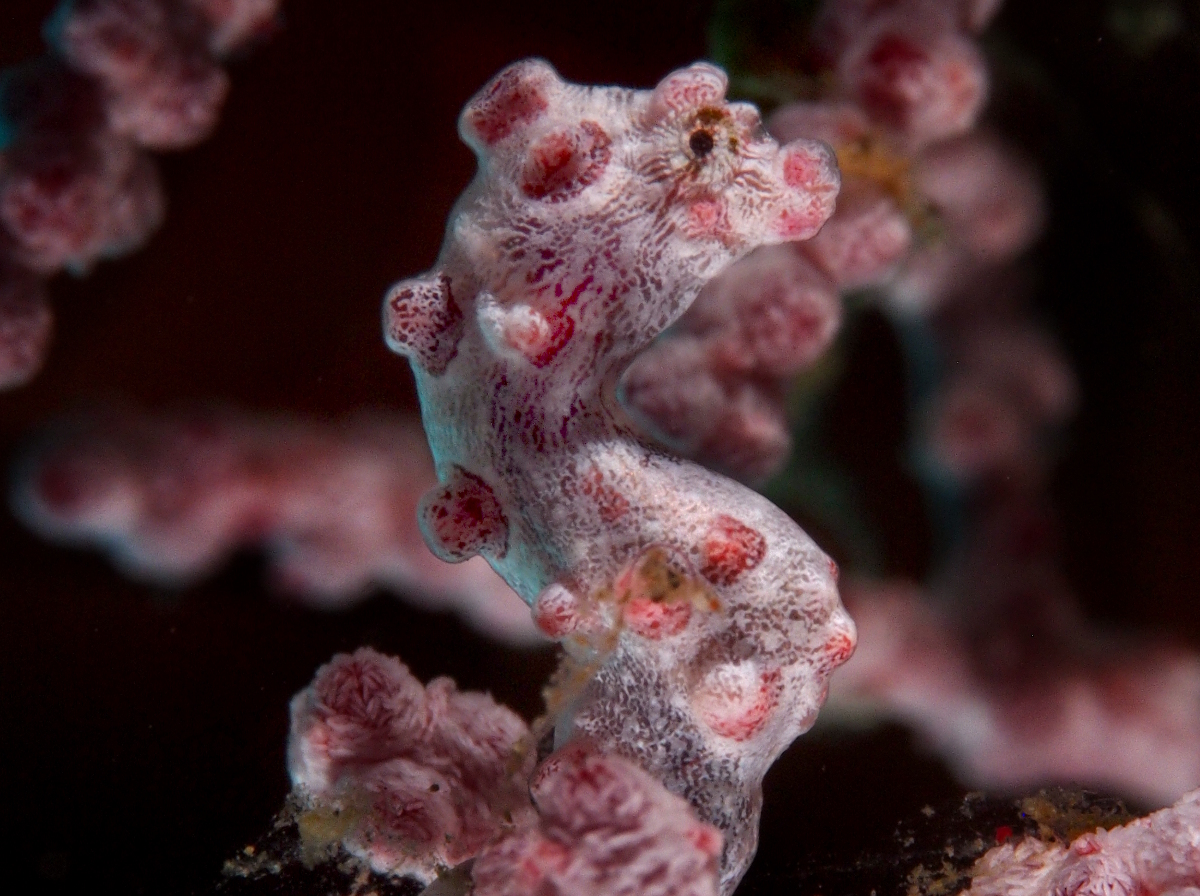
x,y
1158,855
421,778
76,183
927,202
170,498
416,780
710,619
605,828
715,389
909,87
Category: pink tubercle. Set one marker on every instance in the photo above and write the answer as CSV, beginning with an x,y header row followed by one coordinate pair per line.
x,y
514,98
798,223
736,700
556,612
840,648
696,87
425,321
730,549
564,162
463,517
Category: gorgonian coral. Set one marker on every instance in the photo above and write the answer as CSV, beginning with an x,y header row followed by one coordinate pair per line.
x,y
604,827
1157,855
76,182
171,497
411,778
927,201
704,622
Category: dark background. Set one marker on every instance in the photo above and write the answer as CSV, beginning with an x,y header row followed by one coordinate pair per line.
x,y
142,732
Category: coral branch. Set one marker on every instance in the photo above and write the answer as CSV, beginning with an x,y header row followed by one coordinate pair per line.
x,y
605,828
1021,699
76,184
171,497
410,779
1158,854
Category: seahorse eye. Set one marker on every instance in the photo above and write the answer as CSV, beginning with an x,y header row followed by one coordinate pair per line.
x,y
701,143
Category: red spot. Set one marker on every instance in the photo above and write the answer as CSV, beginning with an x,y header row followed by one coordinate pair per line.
x,y
562,328
462,518
799,223
839,648
610,503
563,163
705,838
740,716
555,612
1003,833
657,619
730,549
803,171
708,218
425,323
834,571
515,97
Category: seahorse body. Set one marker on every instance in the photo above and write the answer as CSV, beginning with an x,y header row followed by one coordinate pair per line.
x,y
707,620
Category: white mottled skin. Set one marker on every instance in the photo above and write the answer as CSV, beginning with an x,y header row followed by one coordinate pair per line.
x,y
666,213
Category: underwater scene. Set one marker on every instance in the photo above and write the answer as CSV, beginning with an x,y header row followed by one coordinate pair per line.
x,y
640,449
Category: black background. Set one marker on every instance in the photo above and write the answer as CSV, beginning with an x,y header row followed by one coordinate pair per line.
x,y
142,732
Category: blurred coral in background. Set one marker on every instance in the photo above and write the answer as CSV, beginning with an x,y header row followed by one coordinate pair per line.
x,y
76,183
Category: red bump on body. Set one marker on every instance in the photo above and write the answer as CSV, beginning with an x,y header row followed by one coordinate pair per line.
x,y
839,648
656,619
463,517
424,322
730,549
556,612
699,86
802,171
736,703
515,97
559,327
563,163
706,839
544,345
794,224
